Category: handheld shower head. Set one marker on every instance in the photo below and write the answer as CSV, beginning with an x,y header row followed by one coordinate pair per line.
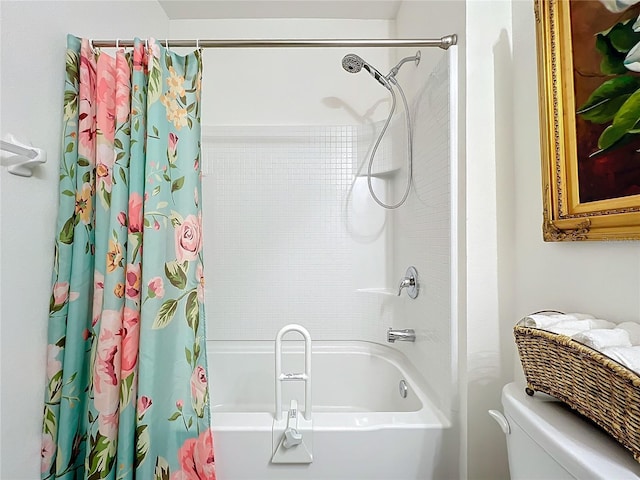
x,y
352,63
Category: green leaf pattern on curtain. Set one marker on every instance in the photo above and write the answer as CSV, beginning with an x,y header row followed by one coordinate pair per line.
x,y
127,394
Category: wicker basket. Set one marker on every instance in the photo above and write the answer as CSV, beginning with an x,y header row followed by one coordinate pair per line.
x,y
591,383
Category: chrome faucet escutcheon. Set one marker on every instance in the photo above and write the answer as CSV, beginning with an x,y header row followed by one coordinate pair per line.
x,y
404,335
410,282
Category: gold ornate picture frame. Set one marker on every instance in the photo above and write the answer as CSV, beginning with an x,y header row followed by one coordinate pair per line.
x,y
589,91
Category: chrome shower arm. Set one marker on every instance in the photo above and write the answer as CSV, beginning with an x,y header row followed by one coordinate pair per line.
x,y
394,71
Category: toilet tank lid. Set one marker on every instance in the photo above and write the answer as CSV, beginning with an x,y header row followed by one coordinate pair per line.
x,y
583,449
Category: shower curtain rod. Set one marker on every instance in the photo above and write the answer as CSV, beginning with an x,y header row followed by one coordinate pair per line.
x,y
444,43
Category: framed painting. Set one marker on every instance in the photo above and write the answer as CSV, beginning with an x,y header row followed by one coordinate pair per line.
x,y
589,90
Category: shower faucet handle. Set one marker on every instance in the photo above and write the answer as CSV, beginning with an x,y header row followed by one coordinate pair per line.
x,y
410,282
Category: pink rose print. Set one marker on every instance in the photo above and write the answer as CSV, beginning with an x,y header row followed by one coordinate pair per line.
x,y
173,144
196,459
132,289
123,90
122,219
106,376
179,404
130,340
144,403
156,287
156,225
53,364
47,450
199,390
60,293
135,213
86,111
105,94
108,425
188,237
139,58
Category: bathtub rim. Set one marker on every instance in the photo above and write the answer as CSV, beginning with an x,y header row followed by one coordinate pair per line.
x,y
427,417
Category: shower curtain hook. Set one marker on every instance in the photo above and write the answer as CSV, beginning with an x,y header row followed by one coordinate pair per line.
x,y
117,43
166,44
197,44
93,50
146,44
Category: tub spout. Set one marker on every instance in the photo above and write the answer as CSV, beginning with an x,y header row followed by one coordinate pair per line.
x,y
405,335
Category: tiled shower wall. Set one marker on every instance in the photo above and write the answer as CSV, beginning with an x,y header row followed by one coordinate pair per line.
x,y
288,239
422,233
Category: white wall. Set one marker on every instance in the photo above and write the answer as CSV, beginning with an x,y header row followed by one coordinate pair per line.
x,y
511,271
602,278
489,222
33,56
426,229
288,86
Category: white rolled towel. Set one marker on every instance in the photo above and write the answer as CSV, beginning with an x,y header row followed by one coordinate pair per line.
x,y
633,329
599,323
569,332
581,316
569,327
600,338
540,320
543,320
627,356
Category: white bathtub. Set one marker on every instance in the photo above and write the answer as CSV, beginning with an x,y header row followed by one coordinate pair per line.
x,y
362,427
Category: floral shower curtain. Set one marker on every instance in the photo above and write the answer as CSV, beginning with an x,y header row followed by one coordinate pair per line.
x,y
126,389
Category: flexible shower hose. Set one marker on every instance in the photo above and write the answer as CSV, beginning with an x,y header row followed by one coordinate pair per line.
x,y
409,148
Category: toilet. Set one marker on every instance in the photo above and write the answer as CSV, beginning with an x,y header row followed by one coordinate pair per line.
x,y
546,440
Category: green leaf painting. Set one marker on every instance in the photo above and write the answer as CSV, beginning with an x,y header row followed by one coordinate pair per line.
x,y
614,44
606,100
624,121
615,102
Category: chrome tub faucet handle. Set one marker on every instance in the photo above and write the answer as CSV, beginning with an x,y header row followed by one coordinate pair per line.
x,y
410,282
